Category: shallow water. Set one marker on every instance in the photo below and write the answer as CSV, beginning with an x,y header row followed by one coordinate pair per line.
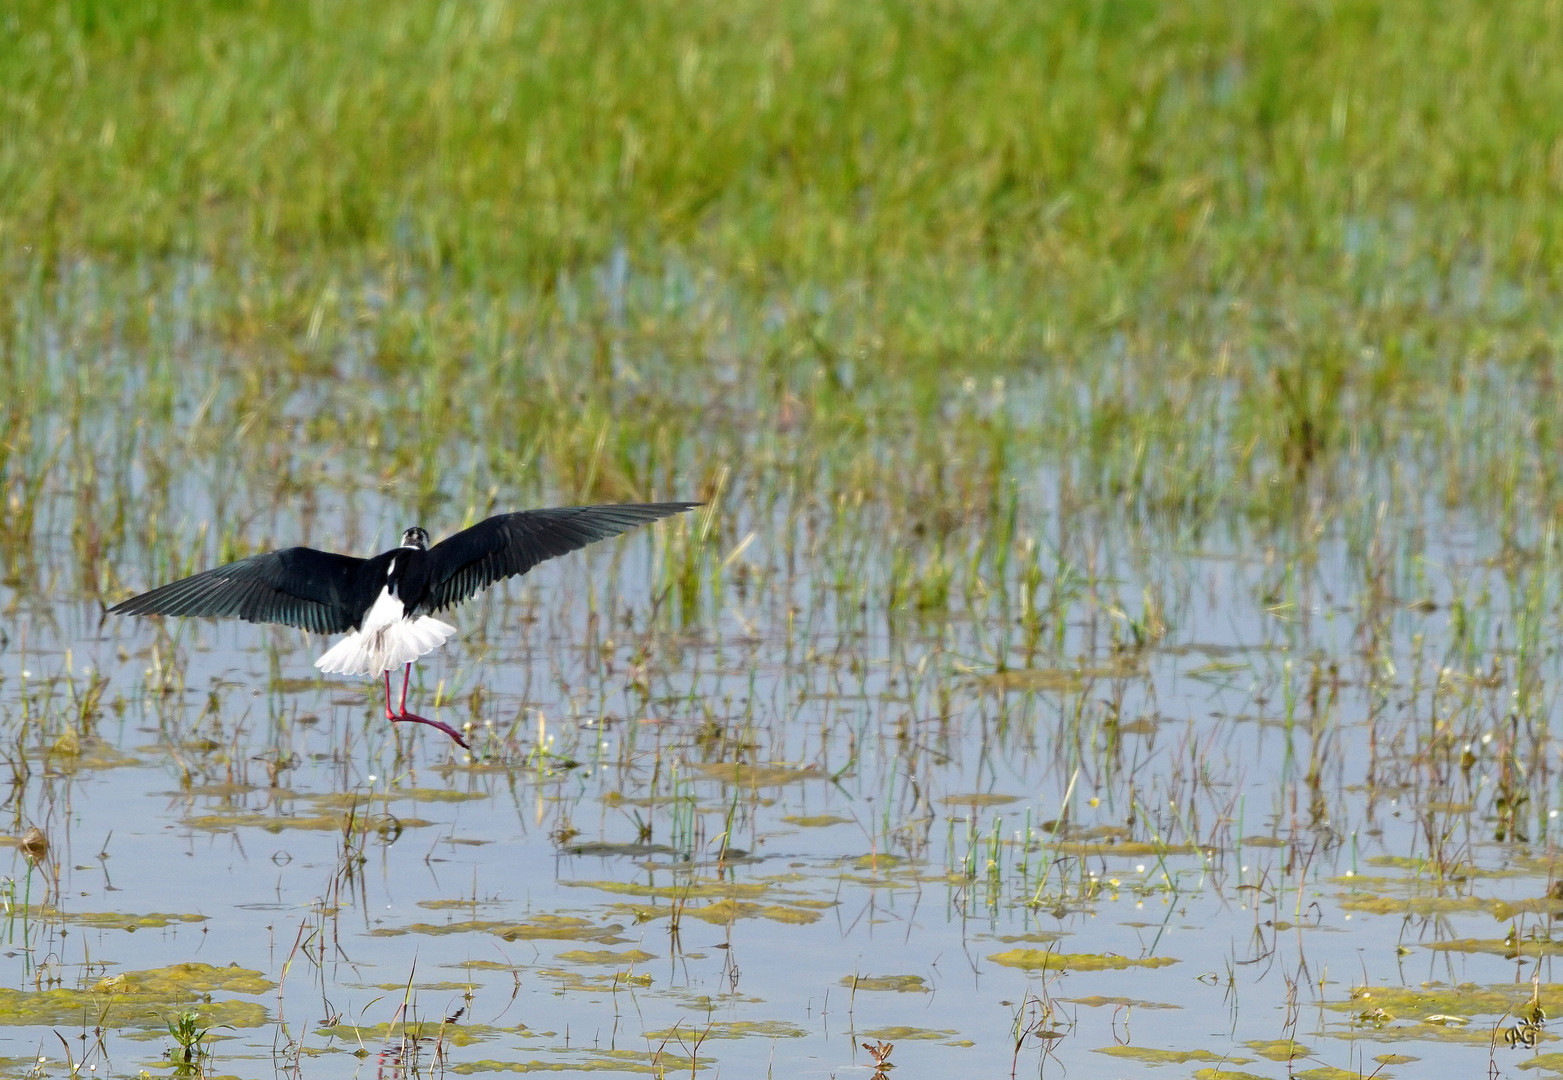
x,y
1247,804
860,784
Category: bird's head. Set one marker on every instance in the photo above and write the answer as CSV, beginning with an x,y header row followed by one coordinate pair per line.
x,y
415,537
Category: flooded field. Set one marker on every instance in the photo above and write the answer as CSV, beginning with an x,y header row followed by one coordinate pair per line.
x,y
1120,637
969,772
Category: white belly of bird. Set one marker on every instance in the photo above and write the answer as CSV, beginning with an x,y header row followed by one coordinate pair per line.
x,y
386,640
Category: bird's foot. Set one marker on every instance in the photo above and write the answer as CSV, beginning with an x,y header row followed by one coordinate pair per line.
x,y
446,728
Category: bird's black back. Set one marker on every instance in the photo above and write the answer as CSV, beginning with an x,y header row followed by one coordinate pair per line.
x,y
406,571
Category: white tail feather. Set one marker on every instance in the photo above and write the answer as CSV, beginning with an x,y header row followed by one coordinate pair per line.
x,y
387,639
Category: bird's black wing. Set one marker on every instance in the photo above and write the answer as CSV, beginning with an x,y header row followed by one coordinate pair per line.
x,y
296,586
511,544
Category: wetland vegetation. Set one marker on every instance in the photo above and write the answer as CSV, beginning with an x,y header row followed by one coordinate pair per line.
x,y
1121,637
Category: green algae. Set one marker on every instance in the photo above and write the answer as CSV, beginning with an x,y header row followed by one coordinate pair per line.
x,y
329,811
908,1034
1045,960
903,880
1504,910
875,861
1415,905
607,1065
271,821
283,685
1154,1056
626,958
798,913
1278,1049
563,928
142,999
730,900
1128,849
538,928
698,889
419,1030
894,872
568,979
1442,1013
904,984
106,920
130,923
1464,998
1434,1028
87,753
434,795
1219,1072
1421,866
1507,947
815,821
1098,1001
736,774
603,848
233,789
192,977
464,926
979,798
731,1029
653,1063
1041,937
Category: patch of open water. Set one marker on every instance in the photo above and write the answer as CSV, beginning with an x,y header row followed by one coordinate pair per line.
x,y
1242,810
765,841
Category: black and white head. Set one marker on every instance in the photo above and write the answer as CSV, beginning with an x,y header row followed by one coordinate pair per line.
x,y
415,537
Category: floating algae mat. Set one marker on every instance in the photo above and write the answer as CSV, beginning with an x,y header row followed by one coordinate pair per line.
x,y
1120,638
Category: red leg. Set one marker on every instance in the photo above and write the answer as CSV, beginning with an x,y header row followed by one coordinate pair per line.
x,y
412,718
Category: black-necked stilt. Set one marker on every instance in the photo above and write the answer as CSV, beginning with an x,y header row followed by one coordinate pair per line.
x,y
388,602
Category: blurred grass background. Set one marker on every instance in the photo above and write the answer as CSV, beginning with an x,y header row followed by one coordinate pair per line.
x,y
1130,151
1211,248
